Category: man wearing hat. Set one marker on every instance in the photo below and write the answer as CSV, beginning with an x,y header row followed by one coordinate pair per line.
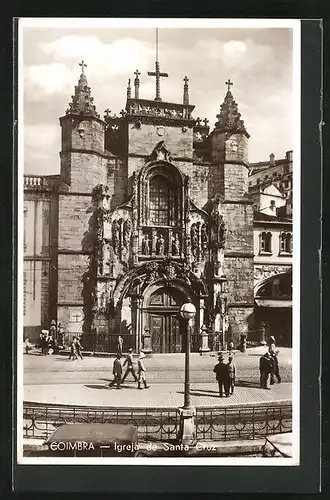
x,y
142,372
266,368
130,366
274,352
117,371
222,376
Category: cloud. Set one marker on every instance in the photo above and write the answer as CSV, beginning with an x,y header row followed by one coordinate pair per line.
x,y
41,148
116,58
46,79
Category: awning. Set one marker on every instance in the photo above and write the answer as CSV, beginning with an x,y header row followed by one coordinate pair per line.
x,y
273,303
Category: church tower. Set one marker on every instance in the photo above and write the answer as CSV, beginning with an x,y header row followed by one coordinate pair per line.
x,y
229,192
83,165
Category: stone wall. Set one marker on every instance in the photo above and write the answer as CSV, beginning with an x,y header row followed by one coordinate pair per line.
x,y
71,270
238,218
75,223
235,181
142,141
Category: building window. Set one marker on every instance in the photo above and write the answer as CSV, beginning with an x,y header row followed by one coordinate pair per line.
x,y
161,201
265,242
285,243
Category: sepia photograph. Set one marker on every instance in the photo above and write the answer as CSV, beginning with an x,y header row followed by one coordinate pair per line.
x,y
158,241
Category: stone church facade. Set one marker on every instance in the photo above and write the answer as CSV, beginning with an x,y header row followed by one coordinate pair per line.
x,y
151,208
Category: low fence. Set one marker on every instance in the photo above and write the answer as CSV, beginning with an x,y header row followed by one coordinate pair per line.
x,y
162,424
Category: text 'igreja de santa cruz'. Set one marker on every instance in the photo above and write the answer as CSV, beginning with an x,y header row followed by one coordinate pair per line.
x,y
151,208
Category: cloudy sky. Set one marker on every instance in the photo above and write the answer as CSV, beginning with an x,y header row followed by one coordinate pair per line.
x,y
258,61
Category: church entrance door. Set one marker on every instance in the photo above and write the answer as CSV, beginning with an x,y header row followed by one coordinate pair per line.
x,y
162,318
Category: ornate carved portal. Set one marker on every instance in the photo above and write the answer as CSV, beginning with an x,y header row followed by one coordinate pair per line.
x,y
159,239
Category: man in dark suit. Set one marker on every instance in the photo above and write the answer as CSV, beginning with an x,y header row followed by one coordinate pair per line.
x,y
117,371
266,368
222,375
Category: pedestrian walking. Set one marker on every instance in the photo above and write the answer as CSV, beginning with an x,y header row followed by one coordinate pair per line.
x,y
142,372
73,350
266,368
222,376
117,371
231,374
129,361
273,351
79,348
120,343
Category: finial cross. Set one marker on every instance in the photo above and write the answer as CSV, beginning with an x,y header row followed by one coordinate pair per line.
x,y
229,83
137,73
83,65
107,111
158,75
186,79
206,121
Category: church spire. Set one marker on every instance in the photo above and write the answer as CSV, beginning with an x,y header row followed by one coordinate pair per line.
x,y
82,101
229,119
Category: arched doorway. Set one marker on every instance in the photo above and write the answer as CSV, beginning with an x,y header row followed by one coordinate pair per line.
x,y
162,318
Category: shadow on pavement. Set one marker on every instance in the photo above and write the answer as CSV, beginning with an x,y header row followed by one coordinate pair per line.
x,y
203,393
246,383
94,386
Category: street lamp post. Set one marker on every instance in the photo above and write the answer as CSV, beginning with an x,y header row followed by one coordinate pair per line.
x,y
187,413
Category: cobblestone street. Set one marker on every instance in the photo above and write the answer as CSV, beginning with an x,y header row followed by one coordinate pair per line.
x,y
57,380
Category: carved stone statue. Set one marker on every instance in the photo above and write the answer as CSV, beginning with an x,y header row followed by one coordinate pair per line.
x,y
219,229
175,245
146,249
127,232
160,245
116,236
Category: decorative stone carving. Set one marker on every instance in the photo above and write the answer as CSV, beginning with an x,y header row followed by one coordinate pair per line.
x,y
194,239
204,240
146,245
127,228
160,152
264,272
219,228
175,245
160,245
116,236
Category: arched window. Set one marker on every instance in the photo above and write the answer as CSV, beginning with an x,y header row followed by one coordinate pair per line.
x,y
161,201
286,243
265,242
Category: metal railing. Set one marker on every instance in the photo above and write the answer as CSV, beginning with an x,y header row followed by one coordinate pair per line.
x,y
162,424
253,422
100,342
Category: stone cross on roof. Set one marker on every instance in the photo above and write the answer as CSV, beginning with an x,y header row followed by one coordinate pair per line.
x,y
83,65
158,75
229,83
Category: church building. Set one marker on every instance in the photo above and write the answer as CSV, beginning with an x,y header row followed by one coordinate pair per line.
x,y
151,208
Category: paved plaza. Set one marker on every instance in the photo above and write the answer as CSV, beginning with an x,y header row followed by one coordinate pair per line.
x,y
57,380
